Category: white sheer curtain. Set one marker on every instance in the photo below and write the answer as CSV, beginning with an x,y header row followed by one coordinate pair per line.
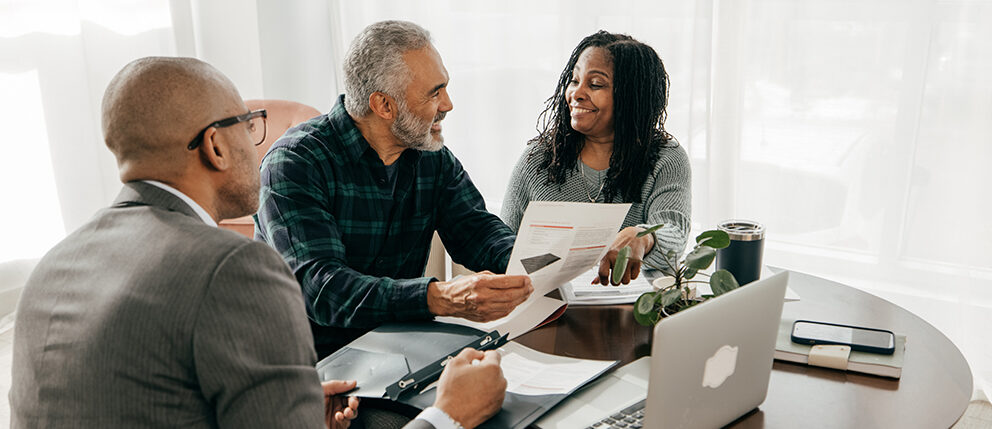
x,y
856,131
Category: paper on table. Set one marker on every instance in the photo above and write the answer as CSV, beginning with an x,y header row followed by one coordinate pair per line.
x,y
530,372
580,291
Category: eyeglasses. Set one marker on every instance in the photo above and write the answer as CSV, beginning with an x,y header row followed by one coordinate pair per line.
x,y
256,127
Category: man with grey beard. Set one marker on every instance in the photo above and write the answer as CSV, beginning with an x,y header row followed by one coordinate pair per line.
x,y
351,200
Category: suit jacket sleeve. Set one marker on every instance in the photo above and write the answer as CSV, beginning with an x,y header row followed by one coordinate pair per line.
x,y
252,347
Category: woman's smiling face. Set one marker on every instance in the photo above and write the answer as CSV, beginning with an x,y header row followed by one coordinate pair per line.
x,y
590,94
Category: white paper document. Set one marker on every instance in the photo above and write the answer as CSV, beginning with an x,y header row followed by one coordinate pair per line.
x,y
581,291
556,242
530,372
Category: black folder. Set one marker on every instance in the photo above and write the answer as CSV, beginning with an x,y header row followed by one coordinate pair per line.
x,y
393,353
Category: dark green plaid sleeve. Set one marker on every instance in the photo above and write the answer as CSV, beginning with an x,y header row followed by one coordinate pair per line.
x,y
295,218
473,236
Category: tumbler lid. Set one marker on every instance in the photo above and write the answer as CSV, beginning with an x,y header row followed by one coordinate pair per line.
x,y
743,230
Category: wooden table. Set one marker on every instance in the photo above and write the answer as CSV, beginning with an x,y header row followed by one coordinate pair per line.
x,y
934,390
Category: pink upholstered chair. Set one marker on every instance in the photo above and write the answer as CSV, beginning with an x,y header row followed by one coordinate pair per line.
x,y
282,115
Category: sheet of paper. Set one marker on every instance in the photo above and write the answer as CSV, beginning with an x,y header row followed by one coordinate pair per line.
x,y
529,372
557,241
581,291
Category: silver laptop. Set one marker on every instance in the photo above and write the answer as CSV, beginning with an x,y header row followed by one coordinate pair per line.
x,y
709,365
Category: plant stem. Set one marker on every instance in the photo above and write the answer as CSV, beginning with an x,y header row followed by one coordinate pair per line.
x,y
669,263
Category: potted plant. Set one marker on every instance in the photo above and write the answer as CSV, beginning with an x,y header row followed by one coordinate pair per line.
x,y
677,292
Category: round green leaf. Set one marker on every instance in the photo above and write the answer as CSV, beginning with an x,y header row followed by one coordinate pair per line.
x,y
690,273
722,282
669,297
620,266
644,312
713,238
700,258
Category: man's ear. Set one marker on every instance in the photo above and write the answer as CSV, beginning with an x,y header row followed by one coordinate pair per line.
x,y
215,151
383,105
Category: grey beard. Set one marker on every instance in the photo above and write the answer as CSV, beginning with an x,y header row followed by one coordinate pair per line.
x,y
406,129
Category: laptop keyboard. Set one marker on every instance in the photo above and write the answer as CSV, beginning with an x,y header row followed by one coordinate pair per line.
x,y
631,417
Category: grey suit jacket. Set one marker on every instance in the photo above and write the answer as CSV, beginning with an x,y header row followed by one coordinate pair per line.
x,y
147,317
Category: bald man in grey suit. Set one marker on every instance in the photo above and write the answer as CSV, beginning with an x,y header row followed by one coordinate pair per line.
x,y
150,316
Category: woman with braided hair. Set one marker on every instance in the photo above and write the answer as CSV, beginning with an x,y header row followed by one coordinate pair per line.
x,y
602,139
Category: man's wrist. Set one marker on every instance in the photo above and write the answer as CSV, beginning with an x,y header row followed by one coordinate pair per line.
x,y
435,302
439,419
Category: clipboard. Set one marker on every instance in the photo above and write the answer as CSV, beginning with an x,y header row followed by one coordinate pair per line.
x,y
400,352
396,360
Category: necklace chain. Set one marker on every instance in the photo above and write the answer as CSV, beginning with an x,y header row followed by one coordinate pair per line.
x,y
585,185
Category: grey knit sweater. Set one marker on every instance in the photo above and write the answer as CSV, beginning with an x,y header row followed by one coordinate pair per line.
x,y
666,196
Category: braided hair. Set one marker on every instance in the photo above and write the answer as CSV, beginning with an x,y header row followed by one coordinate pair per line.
x,y
640,95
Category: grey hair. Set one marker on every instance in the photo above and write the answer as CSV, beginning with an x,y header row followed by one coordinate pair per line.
x,y
374,62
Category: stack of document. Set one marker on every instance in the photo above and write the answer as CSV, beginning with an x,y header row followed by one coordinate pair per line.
x,y
580,291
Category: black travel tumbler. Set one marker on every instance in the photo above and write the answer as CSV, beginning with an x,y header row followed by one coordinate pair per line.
x,y
743,256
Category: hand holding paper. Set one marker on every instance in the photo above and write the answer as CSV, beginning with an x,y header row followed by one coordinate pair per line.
x,y
480,297
557,241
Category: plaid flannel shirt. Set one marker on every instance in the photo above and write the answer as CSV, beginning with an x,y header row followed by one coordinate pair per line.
x,y
357,247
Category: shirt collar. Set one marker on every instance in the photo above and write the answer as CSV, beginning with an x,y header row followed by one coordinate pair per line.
x,y
354,143
189,201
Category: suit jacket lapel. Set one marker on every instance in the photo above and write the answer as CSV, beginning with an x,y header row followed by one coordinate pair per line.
x,y
143,194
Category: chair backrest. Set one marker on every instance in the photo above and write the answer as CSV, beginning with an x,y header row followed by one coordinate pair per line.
x,y
281,116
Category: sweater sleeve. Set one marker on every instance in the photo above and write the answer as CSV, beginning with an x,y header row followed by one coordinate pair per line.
x,y
669,202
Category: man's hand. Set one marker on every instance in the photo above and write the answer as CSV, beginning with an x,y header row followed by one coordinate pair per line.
x,y
480,297
339,411
639,246
472,387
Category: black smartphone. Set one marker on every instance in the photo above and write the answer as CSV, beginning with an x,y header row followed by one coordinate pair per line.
x,y
860,339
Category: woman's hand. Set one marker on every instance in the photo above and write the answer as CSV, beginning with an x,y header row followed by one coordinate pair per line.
x,y
639,246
